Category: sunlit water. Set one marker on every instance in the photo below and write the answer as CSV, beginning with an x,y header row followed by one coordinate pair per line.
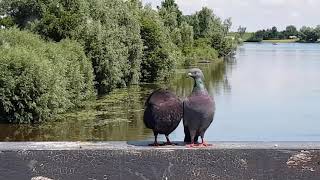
x,y
266,93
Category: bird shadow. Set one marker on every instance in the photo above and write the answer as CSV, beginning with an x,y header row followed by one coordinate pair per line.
x,y
161,144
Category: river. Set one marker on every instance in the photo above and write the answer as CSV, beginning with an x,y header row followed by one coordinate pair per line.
x,y
265,93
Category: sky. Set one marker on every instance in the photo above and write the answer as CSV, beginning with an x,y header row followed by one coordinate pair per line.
x,y
257,14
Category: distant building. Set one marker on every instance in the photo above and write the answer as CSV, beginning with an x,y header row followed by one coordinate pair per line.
x,y
293,37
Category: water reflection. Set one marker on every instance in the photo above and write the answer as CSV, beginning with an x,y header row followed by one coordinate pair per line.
x,y
117,116
215,79
269,93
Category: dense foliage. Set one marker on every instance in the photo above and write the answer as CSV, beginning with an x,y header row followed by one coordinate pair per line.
x,y
40,79
305,34
125,42
159,52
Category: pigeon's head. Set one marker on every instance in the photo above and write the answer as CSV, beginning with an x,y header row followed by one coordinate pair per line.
x,y
196,73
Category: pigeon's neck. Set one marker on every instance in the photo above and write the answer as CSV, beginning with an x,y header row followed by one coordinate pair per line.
x,y
199,87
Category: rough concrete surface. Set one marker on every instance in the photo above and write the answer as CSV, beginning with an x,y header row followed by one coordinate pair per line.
x,y
135,160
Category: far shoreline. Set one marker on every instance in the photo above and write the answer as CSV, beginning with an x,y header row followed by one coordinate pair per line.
x,y
282,41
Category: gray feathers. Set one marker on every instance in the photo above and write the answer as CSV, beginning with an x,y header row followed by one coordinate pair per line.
x,y
164,110
198,109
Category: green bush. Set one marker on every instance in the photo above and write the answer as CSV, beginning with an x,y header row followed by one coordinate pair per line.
x,y
108,30
126,42
111,36
39,79
201,52
160,55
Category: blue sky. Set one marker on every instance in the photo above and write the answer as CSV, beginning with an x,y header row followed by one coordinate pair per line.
x,y
257,14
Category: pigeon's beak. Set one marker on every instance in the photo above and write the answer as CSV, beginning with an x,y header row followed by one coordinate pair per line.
x,y
189,74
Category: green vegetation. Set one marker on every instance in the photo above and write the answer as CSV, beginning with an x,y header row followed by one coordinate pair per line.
x,y
121,42
40,79
281,40
290,34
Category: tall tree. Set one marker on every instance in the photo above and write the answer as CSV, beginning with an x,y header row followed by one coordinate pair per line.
x,y
227,23
170,13
158,57
186,36
274,33
317,30
291,30
241,31
308,34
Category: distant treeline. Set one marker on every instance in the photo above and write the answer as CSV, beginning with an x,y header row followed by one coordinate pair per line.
x,y
305,34
56,54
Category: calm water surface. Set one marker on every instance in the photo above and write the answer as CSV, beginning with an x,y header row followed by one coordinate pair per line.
x,y
266,93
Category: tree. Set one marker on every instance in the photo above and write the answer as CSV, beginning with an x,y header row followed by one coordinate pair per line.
x,y
317,30
109,30
112,39
308,34
205,18
186,37
227,23
176,37
170,13
40,79
291,30
273,33
56,19
241,31
158,54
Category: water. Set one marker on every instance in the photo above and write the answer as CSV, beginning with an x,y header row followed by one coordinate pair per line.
x,y
266,93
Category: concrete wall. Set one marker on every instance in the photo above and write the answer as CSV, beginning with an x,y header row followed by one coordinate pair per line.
x,y
134,160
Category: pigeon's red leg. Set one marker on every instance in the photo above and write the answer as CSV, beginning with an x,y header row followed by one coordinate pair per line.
x,y
192,145
203,143
192,134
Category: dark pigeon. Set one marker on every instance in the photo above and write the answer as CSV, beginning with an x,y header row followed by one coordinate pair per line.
x,y
199,109
163,113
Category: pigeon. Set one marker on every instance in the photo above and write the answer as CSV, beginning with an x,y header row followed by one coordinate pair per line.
x,y
198,110
163,113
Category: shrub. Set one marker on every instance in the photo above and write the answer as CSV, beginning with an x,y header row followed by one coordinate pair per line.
x,y
160,55
39,79
201,52
111,36
109,31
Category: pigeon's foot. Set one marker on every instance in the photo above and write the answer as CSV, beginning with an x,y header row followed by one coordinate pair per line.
x,y
155,144
192,145
169,144
204,145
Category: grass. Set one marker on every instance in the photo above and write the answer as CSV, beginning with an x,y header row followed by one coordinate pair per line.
x,y
281,40
245,37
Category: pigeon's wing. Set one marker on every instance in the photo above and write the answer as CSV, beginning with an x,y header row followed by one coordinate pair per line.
x,y
169,115
189,120
163,112
207,113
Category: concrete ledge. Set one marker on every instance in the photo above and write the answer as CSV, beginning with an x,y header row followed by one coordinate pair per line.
x,y
135,160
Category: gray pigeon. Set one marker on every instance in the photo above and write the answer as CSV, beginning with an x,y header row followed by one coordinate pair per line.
x,y
199,109
163,113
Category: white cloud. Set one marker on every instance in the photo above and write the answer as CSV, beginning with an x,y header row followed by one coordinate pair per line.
x,y
257,14
272,2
